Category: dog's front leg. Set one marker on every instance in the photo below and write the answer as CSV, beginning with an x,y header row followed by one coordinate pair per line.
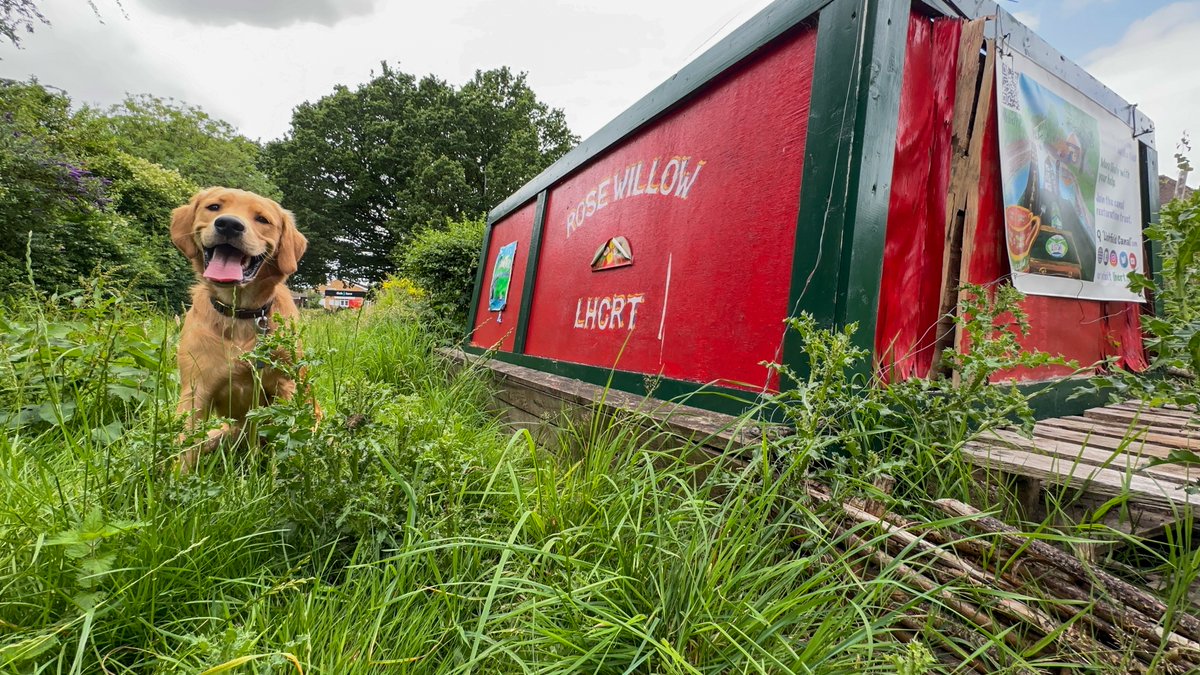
x,y
193,408
212,440
284,389
190,412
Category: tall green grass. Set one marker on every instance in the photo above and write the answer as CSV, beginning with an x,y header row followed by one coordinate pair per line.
x,y
410,532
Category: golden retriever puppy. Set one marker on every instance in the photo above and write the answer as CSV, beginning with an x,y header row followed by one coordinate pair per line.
x,y
243,248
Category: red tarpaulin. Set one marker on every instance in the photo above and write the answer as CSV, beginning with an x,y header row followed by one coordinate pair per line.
x,y
912,265
1085,331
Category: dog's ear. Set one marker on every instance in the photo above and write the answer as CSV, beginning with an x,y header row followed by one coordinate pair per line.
x,y
292,245
181,228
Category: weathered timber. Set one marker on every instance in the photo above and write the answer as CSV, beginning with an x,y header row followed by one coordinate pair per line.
x,y
549,403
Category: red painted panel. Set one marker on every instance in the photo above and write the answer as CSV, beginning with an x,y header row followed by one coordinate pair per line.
x,y
498,329
910,288
1125,335
707,198
1086,331
1073,329
989,263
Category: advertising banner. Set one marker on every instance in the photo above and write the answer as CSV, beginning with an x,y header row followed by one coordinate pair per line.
x,y
1072,197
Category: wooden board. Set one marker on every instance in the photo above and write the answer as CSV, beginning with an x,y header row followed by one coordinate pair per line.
x,y
1098,454
1137,447
1100,428
1104,453
1175,413
972,103
1125,462
1160,423
1143,491
548,401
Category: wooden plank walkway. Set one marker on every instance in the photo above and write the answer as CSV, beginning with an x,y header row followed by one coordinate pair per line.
x,y
1104,453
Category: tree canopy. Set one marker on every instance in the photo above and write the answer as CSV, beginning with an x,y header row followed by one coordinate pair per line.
x,y
89,190
18,17
174,135
366,169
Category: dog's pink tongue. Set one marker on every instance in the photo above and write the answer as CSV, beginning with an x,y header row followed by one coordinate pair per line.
x,y
225,266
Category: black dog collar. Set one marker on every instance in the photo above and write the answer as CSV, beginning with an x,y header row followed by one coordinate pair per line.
x,y
237,313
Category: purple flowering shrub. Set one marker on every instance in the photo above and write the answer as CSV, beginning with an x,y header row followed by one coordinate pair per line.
x,y
73,205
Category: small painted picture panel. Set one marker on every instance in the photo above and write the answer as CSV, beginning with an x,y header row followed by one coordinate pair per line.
x,y
501,276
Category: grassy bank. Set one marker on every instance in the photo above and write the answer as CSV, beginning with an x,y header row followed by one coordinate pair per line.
x,y
409,532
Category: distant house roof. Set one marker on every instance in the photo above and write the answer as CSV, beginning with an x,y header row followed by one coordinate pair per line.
x,y
1166,190
341,285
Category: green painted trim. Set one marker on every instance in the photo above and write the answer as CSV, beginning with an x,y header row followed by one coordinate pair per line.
x,y
825,176
706,396
851,140
531,267
865,234
481,266
776,19
1148,162
1063,397
1059,398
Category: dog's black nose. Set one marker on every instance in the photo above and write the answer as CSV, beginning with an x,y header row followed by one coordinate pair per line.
x,y
229,226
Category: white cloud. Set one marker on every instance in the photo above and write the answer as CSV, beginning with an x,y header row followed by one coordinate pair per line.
x,y
1030,19
591,59
594,60
1073,6
267,13
93,61
1153,65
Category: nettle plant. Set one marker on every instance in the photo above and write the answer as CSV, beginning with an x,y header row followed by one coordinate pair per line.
x,y
368,468
90,549
84,359
288,424
1173,336
850,426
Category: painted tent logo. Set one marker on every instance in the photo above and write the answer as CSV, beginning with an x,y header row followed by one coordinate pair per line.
x,y
612,254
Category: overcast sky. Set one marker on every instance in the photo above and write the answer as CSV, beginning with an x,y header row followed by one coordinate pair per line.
x,y
251,61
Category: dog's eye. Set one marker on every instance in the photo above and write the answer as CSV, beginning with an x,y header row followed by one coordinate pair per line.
x,y
262,219
214,207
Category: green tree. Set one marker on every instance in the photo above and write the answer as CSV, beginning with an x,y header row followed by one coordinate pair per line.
x,y
205,150
509,132
141,195
366,169
442,261
49,201
341,169
18,17
73,202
